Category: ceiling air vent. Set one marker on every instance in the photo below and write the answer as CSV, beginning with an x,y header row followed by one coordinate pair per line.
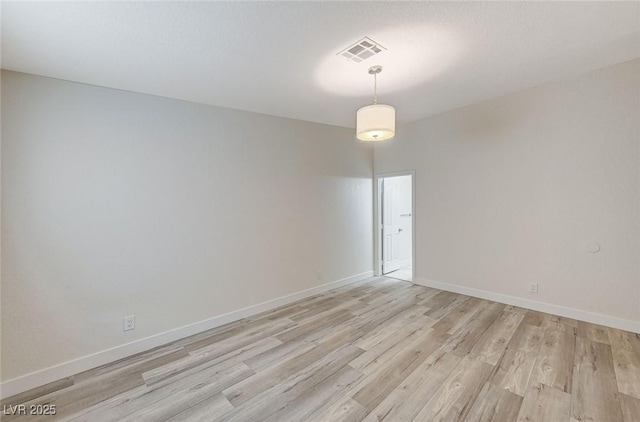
x,y
362,50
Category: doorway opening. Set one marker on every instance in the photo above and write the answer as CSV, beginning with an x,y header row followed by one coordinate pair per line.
x,y
395,229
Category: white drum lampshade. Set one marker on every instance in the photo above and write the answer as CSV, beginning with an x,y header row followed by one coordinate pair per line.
x,y
376,122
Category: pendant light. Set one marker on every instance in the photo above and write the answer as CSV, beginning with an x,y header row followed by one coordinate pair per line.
x,y
376,122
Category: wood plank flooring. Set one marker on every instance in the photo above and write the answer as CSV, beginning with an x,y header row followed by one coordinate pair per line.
x,y
379,350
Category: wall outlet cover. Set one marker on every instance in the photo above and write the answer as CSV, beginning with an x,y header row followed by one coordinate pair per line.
x,y
129,323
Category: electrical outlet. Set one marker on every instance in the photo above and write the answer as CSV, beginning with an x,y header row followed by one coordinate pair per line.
x,y
129,323
533,287
319,275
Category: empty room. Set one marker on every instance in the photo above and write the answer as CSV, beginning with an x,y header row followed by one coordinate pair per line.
x,y
320,211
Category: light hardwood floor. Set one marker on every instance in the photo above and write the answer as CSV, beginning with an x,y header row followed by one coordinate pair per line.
x,y
381,350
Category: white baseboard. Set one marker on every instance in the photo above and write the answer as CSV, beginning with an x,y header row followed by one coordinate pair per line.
x,y
592,317
35,379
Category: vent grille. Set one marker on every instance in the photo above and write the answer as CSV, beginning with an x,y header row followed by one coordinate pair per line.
x,y
362,50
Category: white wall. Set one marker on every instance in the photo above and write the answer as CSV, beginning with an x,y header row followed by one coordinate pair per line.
x,y
116,203
513,190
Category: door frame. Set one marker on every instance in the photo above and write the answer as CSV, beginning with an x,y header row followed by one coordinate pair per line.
x,y
377,220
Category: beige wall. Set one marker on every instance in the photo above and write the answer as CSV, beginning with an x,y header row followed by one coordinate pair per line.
x,y
116,203
514,190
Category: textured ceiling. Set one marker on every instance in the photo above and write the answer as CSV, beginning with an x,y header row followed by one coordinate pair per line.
x,y
280,58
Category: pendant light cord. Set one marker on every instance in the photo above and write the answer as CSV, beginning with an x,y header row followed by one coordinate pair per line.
x,y
374,70
375,88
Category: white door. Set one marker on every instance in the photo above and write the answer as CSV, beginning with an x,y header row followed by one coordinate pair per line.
x,y
390,229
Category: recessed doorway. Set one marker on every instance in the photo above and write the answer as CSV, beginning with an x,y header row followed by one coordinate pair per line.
x,y
395,234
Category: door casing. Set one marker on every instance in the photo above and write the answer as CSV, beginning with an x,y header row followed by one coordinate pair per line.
x,y
377,219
